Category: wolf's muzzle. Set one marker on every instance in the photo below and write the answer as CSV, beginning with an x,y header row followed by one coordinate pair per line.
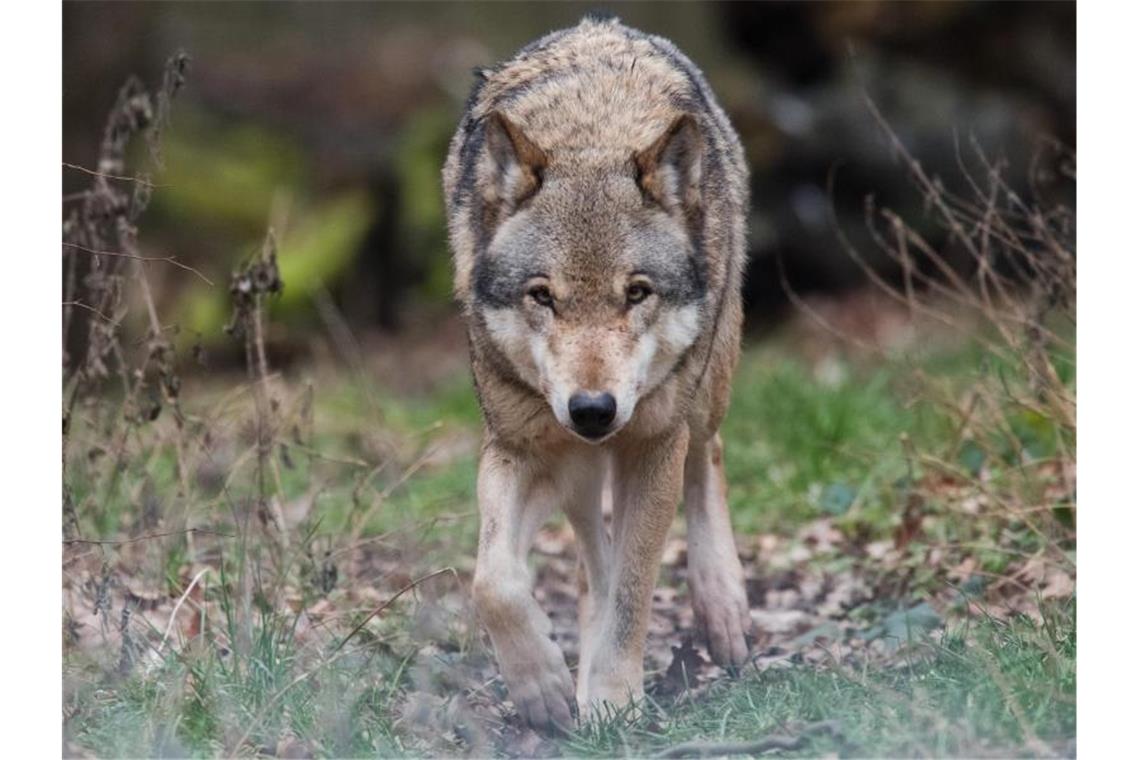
x,y
592,413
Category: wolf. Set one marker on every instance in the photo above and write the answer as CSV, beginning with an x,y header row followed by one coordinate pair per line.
x,y
596,200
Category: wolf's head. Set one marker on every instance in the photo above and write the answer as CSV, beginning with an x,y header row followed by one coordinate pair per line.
x,y
590,283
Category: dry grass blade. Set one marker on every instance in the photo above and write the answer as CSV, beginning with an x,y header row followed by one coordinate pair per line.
x,y
178,606
388,603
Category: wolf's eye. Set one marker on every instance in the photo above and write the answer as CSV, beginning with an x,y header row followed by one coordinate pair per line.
x,y
637,293
541,295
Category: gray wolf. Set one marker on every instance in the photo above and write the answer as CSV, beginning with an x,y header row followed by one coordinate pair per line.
x,y
596,198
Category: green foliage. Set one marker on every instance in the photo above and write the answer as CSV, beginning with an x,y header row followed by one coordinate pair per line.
x,y
228,177
226,172
313,255
421,142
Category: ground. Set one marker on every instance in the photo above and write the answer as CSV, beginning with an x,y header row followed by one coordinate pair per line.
x,y
910,570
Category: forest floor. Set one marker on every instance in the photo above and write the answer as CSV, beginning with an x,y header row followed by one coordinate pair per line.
x,y
909,552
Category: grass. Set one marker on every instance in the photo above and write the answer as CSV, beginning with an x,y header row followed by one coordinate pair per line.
x,y
998,688
994,688
792,434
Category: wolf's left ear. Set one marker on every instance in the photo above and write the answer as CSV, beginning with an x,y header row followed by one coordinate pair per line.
x,y
669,170
514,165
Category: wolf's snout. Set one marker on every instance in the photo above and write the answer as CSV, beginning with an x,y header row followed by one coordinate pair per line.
x,y
592,413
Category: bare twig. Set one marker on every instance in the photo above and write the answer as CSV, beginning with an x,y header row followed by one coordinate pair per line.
x,y
88,307
765,744
138,257
147,537
104,175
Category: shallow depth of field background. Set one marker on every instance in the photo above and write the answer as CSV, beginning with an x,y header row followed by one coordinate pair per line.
x,y
900,447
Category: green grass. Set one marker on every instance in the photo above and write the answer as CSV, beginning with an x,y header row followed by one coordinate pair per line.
x,y
343,709
798,447
788,437
994,687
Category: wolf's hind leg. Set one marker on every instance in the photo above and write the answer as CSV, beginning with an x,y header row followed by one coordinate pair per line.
x,y
716,578
516,497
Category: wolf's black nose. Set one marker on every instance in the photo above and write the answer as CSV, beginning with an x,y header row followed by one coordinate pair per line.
x,y
592,413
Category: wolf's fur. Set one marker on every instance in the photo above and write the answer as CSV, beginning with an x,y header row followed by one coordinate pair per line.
x,y
589,170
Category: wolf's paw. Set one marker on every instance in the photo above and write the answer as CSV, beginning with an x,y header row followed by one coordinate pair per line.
x,y
543,690
721,609
609,695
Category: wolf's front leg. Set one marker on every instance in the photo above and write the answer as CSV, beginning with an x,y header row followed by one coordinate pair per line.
x,y
595,559
716,579
647,487
515,498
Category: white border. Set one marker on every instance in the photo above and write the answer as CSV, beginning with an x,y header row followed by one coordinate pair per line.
x,y
1107,337
1109,234
31,68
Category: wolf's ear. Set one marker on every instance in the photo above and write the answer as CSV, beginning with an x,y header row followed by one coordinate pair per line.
x,y
669,170
514,165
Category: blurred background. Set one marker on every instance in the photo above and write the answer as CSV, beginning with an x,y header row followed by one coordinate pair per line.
x,y
330,121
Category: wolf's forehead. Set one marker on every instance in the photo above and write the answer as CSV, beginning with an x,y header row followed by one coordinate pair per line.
x,y
568,246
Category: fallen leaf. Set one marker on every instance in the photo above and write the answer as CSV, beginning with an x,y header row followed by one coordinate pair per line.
x,y
682,672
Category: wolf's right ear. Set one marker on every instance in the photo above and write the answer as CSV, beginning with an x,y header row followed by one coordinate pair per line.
x,y
513,167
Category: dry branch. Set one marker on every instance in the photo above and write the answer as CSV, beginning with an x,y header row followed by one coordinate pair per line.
x,y
767,743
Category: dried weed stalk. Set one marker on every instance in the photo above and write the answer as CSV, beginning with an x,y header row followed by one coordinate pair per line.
x,y
101,262
1004,276
250,286
117,384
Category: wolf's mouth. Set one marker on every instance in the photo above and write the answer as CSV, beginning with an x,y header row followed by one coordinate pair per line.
x,y
592,435
597,438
